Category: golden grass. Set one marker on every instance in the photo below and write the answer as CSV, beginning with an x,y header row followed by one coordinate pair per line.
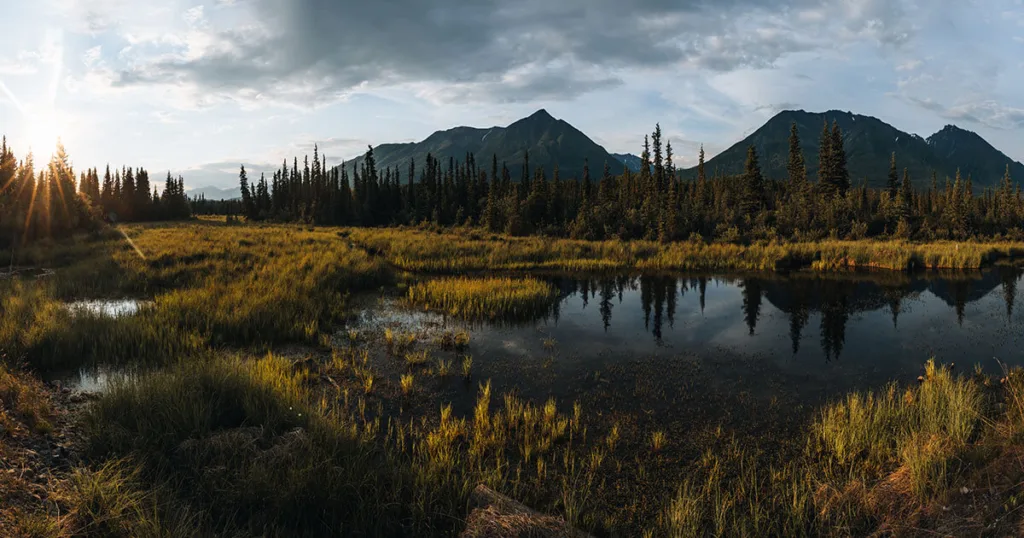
x,y
483,298
459,252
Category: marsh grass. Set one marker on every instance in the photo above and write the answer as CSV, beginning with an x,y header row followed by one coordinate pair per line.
x,y
415,359
922,429
407,382
456,252
282,285
868,459
484,298
23,400
220,445
453,340
657,440
251,447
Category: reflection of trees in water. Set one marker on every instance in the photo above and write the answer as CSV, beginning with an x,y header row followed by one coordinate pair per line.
x,y
961,290
751,302
835,299
703,282
1008,276
607,292
835,312
798,316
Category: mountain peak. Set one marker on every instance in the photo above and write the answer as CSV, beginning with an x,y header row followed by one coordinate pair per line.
x,y
869,143
547,141
541,114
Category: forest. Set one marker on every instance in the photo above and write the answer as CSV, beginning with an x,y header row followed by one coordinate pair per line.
x,y
52,203
653,204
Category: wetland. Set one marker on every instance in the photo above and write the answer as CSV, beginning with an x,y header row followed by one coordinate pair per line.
x,y
262,376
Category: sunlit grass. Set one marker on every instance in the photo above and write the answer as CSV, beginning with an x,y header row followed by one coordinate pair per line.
x,y
484,298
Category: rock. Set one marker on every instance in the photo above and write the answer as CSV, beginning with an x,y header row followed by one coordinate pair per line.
x,y
497,516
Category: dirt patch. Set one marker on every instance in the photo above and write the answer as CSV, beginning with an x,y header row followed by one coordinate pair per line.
x,y
38,452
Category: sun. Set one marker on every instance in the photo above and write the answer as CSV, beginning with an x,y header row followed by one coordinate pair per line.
x,y
43,133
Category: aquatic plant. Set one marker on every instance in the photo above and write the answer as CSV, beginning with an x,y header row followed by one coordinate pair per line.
x,y
407,383
657,440
467,366
417,358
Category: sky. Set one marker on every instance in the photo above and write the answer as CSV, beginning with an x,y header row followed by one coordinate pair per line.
x,y
199,87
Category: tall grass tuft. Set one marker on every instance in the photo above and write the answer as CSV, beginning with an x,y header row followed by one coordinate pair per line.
x,y
485,298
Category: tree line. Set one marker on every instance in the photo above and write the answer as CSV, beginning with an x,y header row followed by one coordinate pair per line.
x,y
655,203
52,203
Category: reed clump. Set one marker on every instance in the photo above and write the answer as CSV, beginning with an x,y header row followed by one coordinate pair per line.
x,y
869,458
484,298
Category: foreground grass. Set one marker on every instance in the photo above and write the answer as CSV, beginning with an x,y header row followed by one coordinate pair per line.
x,y
251,447
485,298
259,447
874,463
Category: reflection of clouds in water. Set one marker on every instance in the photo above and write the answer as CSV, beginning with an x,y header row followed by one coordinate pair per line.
x,y
514,347
828,327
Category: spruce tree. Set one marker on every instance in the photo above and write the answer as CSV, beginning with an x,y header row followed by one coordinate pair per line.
x,y
906,194
893,183
247,204
753,185
795,167
840,174
826,167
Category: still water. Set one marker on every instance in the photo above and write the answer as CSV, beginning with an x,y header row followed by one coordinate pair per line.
x,y
801,334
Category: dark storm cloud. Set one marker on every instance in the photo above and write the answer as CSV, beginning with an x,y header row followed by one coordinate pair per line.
x,y
488,49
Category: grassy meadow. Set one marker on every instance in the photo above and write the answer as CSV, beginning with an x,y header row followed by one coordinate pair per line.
x,y
259,412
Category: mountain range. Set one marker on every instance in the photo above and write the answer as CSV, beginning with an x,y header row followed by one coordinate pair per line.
x,y
869,144
549,142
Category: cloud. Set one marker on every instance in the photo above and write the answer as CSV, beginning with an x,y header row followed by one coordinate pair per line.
x,y
312,52
983,112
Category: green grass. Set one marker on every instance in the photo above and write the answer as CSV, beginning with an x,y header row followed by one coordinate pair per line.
x,y
483,298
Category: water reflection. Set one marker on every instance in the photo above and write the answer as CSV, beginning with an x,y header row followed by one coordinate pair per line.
x,y
108,308
832,302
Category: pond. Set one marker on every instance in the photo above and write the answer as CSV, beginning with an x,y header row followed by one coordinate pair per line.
x,y
113,308
801,338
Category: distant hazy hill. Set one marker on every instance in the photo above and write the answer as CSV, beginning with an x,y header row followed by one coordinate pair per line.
x,y
214,193
549,141
869,143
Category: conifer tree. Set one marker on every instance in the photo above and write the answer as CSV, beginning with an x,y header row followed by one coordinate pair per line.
x,y
893,183
826,166
840,174
753,185
247,204
795,167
